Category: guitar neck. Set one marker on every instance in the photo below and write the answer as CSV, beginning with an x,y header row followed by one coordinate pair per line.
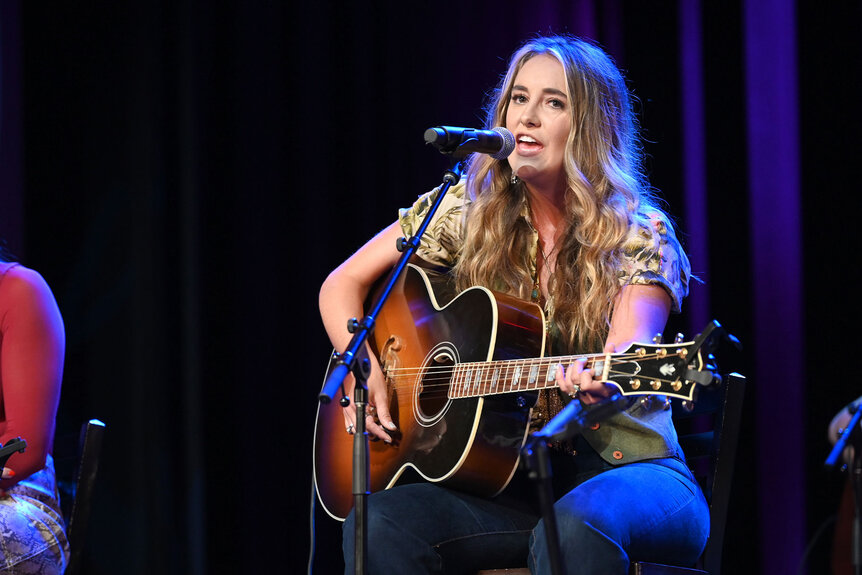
x,y
477,379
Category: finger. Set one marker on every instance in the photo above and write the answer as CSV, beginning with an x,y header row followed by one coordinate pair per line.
x,y
376,417
560,377
591,390
586,378
350,418
563,380
594,391
349,426
581,377
567,378
381,410
8,473
375,430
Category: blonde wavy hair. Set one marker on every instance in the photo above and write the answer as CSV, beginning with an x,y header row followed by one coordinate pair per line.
x,y
607,195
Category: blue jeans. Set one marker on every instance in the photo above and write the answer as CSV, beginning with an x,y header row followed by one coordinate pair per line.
x,y
650,511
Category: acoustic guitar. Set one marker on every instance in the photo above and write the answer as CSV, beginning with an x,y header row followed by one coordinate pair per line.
x,y
462,380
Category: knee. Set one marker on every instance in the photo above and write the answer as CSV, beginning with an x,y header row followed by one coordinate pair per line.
x,y
577,533
380,524
582,520
573,529
383,524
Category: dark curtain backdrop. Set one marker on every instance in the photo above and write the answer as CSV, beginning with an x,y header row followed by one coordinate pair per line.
x,y
185,174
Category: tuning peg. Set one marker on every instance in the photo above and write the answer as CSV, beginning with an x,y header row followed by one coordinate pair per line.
x,y
688,405
657,338
679,338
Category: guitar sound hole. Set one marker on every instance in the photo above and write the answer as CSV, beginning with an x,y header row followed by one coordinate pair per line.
x,y
434,391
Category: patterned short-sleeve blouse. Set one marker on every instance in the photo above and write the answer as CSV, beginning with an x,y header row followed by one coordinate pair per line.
x,y
643,431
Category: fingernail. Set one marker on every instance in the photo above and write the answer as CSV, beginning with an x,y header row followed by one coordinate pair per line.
x,y
391,425
8,473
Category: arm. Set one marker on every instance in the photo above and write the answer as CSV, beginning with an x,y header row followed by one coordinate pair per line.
x,y
31,359
342,296
640,312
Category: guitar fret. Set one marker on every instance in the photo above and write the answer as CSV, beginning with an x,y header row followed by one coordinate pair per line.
x,y
476,381
494,379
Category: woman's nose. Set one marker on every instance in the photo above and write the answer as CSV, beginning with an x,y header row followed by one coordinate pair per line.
x,y
530,116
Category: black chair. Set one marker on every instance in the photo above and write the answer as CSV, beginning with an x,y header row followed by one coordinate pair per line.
x,y
708,434
76,494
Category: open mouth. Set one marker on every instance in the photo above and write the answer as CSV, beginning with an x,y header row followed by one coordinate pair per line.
x,y
528,144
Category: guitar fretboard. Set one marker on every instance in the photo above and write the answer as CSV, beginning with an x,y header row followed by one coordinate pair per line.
x,y
492,377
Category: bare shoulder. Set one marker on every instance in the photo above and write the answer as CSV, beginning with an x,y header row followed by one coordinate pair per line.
x,y
15,277
23,286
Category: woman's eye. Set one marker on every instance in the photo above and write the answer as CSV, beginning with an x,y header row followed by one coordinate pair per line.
x,y
519,98
558,104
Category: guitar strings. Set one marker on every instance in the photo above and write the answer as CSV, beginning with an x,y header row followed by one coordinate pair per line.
x,y
405,377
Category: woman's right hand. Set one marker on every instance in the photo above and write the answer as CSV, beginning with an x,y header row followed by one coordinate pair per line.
x,y
378,420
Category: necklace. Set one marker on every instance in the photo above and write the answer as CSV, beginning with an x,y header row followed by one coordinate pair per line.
x,y
545,257
537,291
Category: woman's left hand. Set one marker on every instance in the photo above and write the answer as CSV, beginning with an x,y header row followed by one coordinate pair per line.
x,y
579,382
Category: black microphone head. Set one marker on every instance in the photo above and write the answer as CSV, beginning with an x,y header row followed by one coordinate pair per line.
x,y
434,135
508,144
498,143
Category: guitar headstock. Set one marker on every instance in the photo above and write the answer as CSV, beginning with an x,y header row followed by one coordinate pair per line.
x,y
674,369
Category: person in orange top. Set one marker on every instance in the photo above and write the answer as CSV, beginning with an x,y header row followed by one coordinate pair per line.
x,y
32,351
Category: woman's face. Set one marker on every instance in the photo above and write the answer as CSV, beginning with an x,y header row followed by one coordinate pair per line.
x,y
539,116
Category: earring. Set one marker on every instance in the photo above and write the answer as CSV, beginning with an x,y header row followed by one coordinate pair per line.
x,y
515,179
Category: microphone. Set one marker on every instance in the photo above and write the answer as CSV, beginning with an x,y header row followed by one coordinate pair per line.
x,y
498,143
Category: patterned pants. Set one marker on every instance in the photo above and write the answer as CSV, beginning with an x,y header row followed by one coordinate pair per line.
x,y
32,536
